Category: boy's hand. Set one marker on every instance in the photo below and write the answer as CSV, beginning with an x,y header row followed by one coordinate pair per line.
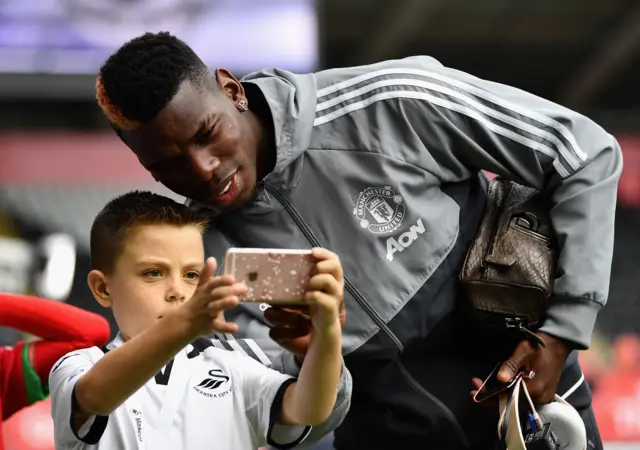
x,y
326,291
203,312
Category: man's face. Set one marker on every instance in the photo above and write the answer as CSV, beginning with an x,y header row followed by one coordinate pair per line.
x,y
159,268
201,146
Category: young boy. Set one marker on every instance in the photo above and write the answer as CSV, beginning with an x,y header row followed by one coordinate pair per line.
x,y
160,384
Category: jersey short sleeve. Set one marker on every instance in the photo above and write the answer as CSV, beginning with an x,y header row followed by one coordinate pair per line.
x,y
62,382
263,391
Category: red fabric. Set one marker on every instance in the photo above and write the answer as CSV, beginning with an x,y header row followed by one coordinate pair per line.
x,y
617,406
61,327
30,428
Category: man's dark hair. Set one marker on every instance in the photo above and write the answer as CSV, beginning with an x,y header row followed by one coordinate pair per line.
x,y
143,75
121,215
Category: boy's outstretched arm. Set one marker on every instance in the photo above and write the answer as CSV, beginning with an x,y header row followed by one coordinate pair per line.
x,y
252,325
311,399
121,372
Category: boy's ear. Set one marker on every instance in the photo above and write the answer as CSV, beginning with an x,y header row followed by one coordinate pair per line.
x,y
97,282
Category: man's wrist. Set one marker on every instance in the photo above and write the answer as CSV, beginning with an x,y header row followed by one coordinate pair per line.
x,y
560,346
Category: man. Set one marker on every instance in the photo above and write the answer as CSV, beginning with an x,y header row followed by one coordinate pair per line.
x,y
383,164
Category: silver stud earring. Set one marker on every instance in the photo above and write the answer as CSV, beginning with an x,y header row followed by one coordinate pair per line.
x,y
242,104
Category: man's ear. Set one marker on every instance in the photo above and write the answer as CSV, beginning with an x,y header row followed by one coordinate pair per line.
x,y
97,282
230,86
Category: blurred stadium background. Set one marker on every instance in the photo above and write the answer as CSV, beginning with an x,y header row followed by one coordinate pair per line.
x,y
59,162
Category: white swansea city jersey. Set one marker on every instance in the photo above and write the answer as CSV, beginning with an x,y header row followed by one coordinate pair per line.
x,y
214,394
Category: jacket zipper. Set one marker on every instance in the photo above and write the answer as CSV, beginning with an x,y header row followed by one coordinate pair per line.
x,y
347,283
368,310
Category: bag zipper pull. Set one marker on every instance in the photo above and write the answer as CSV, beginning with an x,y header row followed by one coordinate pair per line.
x,y
517,323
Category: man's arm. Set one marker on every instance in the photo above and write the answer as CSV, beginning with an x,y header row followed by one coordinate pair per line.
x,y
453,125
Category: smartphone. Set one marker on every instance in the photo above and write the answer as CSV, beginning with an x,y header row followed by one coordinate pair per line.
x,y
272,276
492,386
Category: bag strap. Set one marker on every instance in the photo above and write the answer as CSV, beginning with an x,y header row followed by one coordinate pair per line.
x,y
509,412
504,404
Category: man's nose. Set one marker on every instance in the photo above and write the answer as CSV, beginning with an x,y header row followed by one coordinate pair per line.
x,y
203,163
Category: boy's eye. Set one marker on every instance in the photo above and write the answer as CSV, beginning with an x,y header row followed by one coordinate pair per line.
x,y
153,273
192,275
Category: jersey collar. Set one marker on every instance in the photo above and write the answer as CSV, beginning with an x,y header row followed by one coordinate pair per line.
x,y
117,342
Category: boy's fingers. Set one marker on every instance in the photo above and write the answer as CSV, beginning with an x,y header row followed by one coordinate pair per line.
x,y
217,306
209,269
224,327
328,262
219,282
330,266
326,283
322,254
320,298
223,291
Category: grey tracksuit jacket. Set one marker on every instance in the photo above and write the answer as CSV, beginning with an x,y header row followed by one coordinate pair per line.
x,y
382,164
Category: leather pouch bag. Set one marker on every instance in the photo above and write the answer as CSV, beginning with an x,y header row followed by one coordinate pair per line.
x,y
509,270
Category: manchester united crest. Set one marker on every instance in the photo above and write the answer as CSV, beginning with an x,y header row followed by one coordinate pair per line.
x,y
379,210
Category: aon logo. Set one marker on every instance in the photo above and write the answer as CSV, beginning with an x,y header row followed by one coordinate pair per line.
x,y
404,240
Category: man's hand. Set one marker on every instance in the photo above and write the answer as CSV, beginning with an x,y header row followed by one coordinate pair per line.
x,y
291,327
547,363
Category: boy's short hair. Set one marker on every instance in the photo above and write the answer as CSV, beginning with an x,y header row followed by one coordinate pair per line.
x,y
122,214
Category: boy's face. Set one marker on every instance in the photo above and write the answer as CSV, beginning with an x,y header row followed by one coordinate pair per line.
x,y
159,268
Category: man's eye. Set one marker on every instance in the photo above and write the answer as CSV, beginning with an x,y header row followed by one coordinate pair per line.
x,y
209,133
153,273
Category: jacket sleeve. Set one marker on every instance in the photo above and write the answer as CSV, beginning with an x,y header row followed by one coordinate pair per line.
x,y
249,326
453,125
